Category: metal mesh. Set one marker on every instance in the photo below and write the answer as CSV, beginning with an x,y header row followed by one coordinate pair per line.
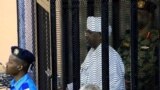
x,y
26,26
71,24
44,82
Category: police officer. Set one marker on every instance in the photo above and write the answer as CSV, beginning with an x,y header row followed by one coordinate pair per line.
x,y
17,66
148,40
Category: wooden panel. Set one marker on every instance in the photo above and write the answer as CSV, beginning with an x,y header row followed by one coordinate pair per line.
x,y
45,4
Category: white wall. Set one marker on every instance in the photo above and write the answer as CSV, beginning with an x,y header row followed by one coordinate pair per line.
x,y
8,28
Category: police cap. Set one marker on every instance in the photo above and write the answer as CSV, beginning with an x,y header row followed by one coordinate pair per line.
x,y
22,54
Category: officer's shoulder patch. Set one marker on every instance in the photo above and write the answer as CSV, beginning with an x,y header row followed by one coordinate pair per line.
x,y
25,86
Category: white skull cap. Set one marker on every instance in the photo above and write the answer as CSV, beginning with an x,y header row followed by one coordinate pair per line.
x,y
94,24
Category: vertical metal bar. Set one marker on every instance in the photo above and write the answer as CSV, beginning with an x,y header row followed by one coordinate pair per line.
x,y
42,47
134,45
34,39
43,51
33,25
157,65
105,49
90,7
75,44
21,23
53,43
115,23
158,56
90,12
158,22
65,52
18,22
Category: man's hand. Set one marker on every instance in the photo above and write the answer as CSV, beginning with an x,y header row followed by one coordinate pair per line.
x,y
2,68
48,72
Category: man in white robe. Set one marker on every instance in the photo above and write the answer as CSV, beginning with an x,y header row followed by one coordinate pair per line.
x,y
91,68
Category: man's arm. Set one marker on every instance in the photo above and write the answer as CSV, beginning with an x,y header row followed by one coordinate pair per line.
x,y
117,81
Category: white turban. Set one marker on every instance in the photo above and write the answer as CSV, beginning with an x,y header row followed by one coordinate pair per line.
x,y
94,24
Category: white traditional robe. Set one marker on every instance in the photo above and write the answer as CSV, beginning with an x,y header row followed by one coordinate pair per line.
x,y
91,69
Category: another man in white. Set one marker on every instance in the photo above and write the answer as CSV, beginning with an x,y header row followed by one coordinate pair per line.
x,y
91,68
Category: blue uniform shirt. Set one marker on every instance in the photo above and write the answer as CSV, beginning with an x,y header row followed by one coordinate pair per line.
x,y
24,83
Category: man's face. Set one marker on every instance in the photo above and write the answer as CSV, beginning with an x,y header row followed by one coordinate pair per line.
x,y
92,37
11,66
143,18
